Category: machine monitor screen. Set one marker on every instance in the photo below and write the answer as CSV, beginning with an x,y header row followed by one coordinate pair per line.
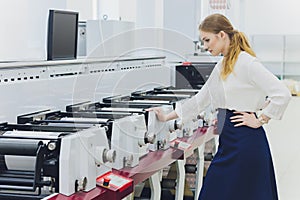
x,y
193,76
62,35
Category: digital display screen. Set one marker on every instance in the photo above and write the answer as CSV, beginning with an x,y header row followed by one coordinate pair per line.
x,y
62,35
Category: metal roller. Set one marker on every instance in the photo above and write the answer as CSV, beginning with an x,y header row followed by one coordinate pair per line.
x,y
19,147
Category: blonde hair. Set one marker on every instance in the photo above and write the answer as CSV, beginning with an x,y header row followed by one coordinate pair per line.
x,y
238,41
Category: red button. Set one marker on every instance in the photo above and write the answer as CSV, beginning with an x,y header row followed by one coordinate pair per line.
x,y
186,63
106,181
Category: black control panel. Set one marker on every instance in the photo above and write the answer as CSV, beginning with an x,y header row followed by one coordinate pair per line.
x,y
191,75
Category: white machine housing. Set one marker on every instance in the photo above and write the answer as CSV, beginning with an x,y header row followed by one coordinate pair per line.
x,y
83,157
161,132
128,139
189,127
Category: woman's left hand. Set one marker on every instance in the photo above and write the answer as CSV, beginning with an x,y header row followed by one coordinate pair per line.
x,y
245,119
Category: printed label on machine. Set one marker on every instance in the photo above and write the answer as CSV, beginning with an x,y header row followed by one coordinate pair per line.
x,y
180,145
114,181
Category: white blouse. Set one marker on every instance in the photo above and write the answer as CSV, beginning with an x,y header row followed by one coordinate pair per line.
x,y
245,89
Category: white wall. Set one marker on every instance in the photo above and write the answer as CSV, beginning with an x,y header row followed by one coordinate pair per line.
x,y
24,26
233,11
148,14
109,38
272,16
127,10
110,8
182,20
87,10
96,9
24,23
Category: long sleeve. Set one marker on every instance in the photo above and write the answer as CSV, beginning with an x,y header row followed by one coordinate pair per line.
x,y
190,108
277,92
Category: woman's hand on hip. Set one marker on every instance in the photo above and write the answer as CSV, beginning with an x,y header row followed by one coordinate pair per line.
x,y
245,119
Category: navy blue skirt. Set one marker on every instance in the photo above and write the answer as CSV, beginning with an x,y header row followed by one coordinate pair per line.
x,y
242,169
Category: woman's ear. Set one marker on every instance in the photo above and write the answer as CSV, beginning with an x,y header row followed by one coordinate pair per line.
x,y
222,34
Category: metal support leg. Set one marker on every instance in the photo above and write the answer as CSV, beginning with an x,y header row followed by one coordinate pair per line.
x,y
200,167
129,197
180,181
155,186
216,139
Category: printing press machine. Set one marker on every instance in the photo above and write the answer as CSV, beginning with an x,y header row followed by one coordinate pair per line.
x,y
37,161
85,115
159,96
141,101
64,119
205,117
159,134
165,96
170,95
127,102
167,90
125,131
188,128
132,104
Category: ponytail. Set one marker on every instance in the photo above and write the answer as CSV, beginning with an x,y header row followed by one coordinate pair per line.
x,y
238,43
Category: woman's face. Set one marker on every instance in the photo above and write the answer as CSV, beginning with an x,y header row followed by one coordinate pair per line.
x,y
214,43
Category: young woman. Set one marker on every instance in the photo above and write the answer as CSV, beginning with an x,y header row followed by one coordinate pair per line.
x,y
242,169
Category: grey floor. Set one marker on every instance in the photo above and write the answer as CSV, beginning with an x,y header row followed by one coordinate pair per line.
x,y
284,140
